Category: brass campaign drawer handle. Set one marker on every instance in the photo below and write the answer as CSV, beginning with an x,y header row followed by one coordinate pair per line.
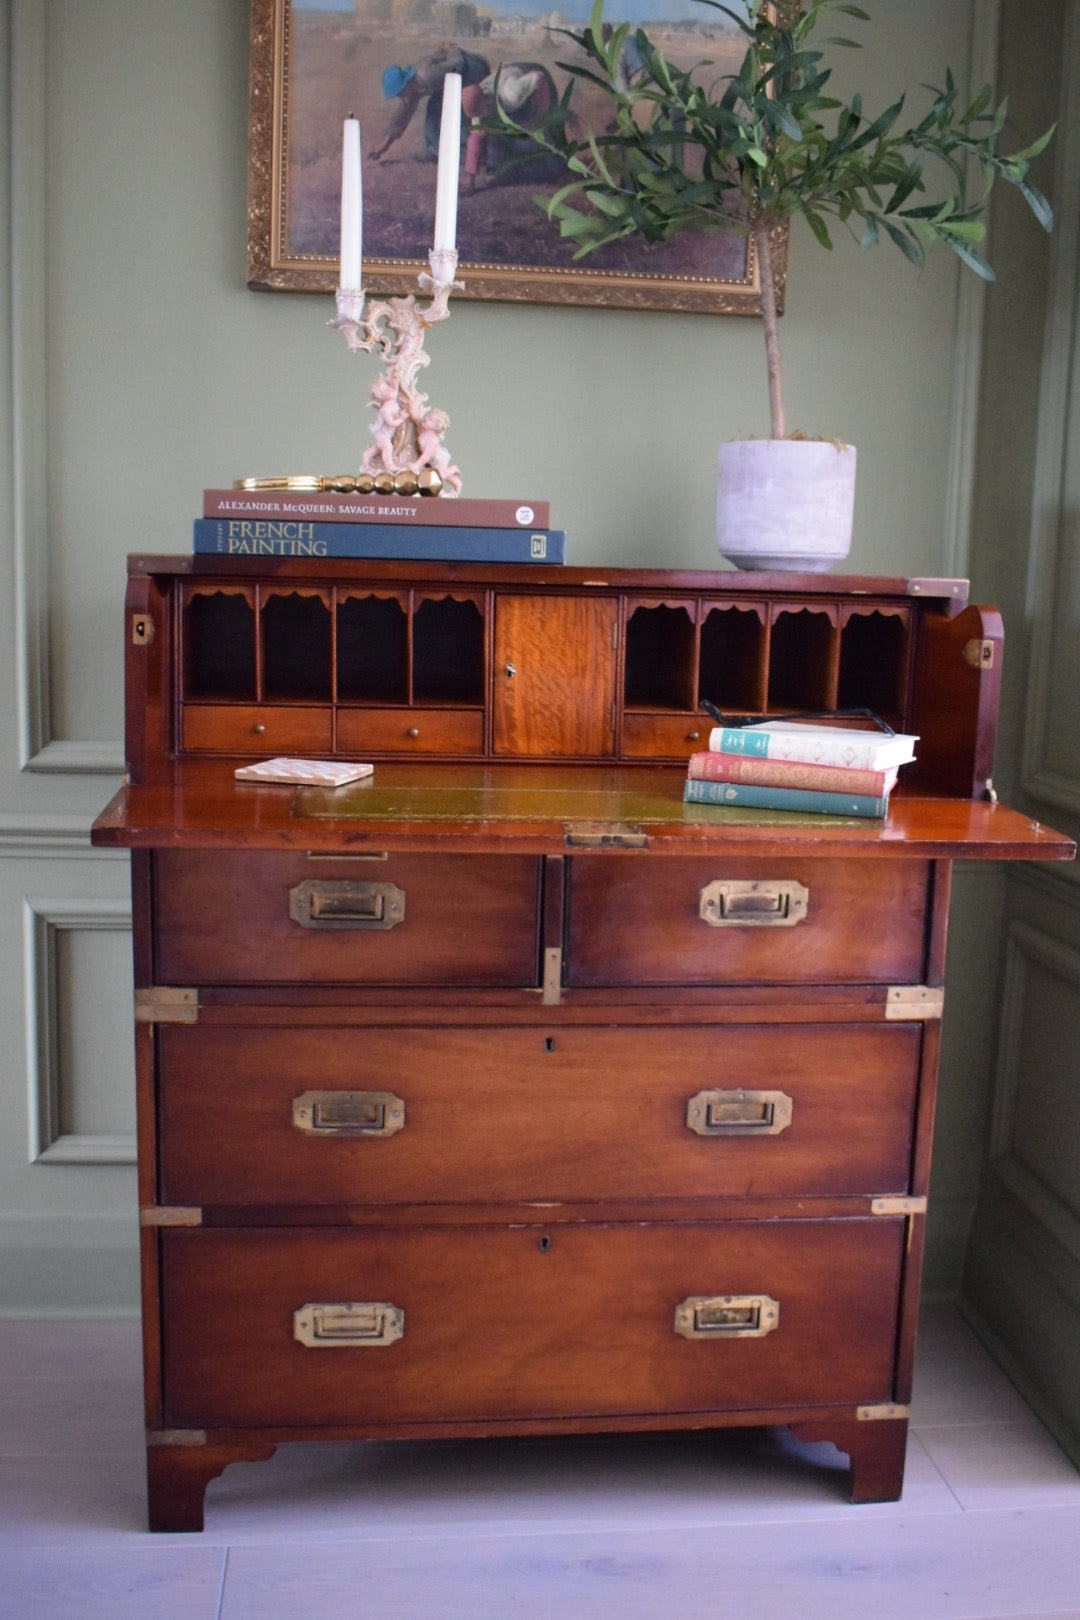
x,y
348,1113
343,903
753,903
727,1316
357,1325
739,1113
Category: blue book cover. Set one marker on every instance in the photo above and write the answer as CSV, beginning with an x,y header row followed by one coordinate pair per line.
x,y
235,537
761,797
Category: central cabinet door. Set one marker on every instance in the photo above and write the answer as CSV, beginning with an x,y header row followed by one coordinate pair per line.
x,y
555,662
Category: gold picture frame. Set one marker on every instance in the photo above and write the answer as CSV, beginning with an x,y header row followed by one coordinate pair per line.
x,y
315,62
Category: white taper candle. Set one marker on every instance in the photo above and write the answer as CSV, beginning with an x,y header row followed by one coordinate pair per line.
x,y
351,208
446,185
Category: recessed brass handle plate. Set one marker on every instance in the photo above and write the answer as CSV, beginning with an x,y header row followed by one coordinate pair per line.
x,y
739,1113
754,903
343,903
348,1113
727,1316
357,1325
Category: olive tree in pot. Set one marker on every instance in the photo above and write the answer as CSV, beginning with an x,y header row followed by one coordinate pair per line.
x,y
682,149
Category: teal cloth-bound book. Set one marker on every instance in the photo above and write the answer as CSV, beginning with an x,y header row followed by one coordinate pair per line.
x,y
757,797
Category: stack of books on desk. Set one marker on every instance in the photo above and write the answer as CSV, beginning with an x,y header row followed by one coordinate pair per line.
x,y
317,523
784,765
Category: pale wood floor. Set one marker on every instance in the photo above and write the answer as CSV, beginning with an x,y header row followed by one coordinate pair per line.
x,y
666,1528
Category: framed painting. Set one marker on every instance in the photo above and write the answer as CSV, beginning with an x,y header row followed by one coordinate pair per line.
x,y
315,62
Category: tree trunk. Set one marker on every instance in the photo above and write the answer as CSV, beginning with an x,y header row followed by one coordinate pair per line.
x,y
763,244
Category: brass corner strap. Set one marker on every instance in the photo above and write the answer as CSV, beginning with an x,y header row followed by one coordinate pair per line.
x,y
170,1215
166,1004
905,1003
899,1204
882,1412
979,653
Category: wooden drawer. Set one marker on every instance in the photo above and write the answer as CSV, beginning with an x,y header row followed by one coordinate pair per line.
x,y
848,922
512,1115
257,728
410,731
230,918
505,1323
663,736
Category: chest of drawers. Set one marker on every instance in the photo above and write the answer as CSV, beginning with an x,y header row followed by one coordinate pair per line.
x,y
503,1092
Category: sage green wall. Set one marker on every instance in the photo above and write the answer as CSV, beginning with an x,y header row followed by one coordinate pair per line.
x,y
143,370
166,374
1021,1282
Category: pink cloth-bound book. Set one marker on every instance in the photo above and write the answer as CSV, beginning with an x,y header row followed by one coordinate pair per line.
x,y
717,767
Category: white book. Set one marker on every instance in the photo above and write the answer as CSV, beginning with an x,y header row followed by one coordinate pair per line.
x,y
815,745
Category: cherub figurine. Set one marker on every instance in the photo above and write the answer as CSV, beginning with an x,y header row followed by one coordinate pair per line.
x,y
431,453
392,415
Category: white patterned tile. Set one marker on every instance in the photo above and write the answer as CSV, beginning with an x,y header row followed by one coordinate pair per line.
x,y
69,1417
949,1567
995,1465
151,1582
69,1348
61,1501
956,1378
737,1477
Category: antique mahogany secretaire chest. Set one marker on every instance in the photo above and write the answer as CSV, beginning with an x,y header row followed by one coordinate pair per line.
x,y
503,1092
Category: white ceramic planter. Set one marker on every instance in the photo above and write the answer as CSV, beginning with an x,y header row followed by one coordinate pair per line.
x,y
785,503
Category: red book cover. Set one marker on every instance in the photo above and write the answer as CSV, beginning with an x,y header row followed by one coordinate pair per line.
x,y
710,767
315,506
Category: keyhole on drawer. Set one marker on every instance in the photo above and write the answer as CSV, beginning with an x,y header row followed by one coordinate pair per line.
x,y
549,1043
543,1244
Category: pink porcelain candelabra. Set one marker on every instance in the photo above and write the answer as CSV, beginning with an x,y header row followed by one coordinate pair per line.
x,y
408,453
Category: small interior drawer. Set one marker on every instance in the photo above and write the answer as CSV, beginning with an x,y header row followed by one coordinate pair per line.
x,y
393,1116
239,917
779,921
660,736
256,728
410,731
493,1323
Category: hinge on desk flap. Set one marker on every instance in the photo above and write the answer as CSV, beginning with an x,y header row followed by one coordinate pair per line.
x,y
899,1204
605,835
166,1004
905,1002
